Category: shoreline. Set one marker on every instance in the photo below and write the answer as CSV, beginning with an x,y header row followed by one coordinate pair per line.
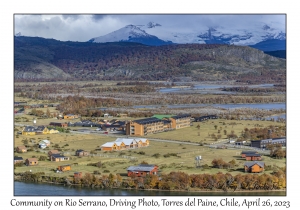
x,y
120,188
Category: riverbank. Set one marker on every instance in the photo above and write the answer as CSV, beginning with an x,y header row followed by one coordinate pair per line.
x,y
38,189
181,182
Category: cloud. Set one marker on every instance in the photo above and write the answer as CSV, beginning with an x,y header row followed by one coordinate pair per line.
x,y
77,27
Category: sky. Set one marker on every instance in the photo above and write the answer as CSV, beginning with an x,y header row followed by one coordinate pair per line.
x,y
83,27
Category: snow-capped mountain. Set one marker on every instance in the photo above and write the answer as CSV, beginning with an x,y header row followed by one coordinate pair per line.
x,y
131,33
155,34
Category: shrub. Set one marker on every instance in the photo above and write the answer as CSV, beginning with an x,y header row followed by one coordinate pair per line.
x,y
156,155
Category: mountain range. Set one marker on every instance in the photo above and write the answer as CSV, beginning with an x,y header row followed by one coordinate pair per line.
x,y
263,38
37,58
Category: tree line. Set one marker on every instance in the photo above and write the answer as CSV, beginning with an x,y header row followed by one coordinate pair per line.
x,y
172,181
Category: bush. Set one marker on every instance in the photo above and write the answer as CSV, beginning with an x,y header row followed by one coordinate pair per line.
x,y
106,171
141,153
156,155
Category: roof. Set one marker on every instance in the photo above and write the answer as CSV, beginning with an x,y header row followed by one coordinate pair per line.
x,y
249,152
141,139
45,141
108,144
126,141
181,116
161,116
32,159
18,158
21,147
57,155
253,155
141,167
252,163
80,150
147,120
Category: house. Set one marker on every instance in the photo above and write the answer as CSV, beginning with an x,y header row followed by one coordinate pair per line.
x,y
59,124
44,143
81,153
31,161
144,127
254,166
129,143
142,170
18,159
244,153
109,146
253,157
54,151
78,175
41,130
181,121
263,143
64,168
28,130
31,130
58,157
52,131
21,149
142,142
70,116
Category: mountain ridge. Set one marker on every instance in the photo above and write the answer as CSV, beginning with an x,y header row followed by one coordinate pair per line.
x,y
39,58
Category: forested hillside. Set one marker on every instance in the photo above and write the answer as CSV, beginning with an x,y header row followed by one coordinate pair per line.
x,y
48,59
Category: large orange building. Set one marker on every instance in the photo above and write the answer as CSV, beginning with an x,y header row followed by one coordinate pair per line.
x,y
144,126
181,121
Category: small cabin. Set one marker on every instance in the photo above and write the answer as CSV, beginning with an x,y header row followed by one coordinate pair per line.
x,y
254,166
78,175
21,149
252,157
31,161
142,170
64,168
244,153
81,153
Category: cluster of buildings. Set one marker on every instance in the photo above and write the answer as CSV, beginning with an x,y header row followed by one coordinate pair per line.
x,y
152,125
125,143
38,130
253,164
263,143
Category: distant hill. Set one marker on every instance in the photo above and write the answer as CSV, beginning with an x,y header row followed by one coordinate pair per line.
x,y
39,58
270,45
277,53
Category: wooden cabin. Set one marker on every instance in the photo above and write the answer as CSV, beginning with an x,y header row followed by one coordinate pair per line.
x,y
244,153
18,159
64,168
58,157
142,170
81,153
21,149
78,175
254,166
109,146
31,161
53,151
253,157
59,124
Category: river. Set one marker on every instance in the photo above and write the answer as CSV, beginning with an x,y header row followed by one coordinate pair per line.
x,y
209,88
267,106
37,189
